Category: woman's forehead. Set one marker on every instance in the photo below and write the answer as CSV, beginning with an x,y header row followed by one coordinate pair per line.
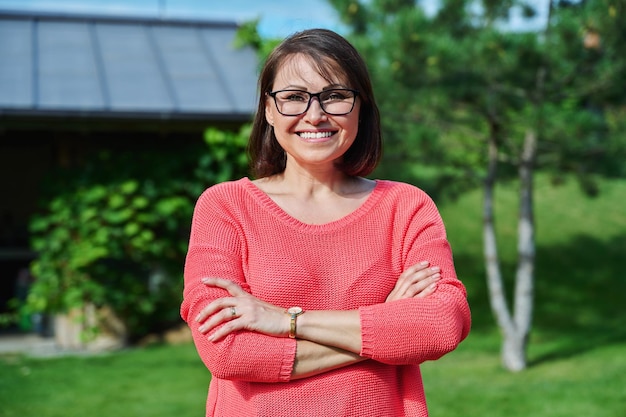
x,y
301,66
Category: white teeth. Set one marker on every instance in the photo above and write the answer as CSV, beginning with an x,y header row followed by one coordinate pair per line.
x,y
315,135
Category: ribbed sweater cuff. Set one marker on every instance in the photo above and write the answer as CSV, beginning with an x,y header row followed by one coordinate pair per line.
x,y
290,359
367,334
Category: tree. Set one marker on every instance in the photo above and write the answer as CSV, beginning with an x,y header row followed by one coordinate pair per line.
x,y
486,103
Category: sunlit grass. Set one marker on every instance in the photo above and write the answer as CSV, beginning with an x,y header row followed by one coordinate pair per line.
x,y
470,382
157,381
170,381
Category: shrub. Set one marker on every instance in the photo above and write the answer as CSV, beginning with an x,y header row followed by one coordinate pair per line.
x,y
115,232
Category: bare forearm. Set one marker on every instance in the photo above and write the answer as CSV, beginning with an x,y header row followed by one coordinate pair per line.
x,y
339,329
314,359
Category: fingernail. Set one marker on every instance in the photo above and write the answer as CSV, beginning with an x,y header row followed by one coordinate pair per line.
x,y
205,280
425,263
435,269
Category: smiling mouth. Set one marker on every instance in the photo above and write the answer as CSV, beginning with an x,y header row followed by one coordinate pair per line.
x,y
315,135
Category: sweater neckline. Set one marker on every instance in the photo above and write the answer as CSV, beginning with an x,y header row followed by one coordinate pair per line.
x,y
270,205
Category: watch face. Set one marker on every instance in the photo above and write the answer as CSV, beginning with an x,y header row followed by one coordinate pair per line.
x,y
294,310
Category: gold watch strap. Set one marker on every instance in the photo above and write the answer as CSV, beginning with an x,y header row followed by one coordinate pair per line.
x,y
294,312
293,326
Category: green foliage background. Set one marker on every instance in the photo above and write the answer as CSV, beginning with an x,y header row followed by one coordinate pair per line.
x,y
447,82
114,232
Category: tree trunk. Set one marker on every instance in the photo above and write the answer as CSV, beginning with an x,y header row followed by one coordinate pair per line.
x,y
497,293
515,326
514,353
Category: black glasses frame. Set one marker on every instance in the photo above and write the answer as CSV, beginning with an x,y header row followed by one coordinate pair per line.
x,y
318,95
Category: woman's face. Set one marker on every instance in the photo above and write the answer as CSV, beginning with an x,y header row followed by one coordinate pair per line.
x,y
314,139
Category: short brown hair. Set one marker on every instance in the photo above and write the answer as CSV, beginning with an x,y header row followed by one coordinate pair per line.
x,y
330,52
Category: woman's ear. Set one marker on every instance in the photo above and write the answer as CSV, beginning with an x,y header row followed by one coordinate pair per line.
x,y
269,114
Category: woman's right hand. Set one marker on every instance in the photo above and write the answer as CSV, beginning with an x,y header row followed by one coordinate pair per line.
x,y
417,281
240,311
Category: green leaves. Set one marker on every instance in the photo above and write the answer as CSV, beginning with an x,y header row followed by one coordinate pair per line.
x,y
447,80
109,229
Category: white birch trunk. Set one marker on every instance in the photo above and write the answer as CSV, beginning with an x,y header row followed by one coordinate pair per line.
x,y
515,325
497,293
515,344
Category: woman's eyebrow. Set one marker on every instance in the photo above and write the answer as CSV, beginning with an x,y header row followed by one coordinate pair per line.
x,y
302,88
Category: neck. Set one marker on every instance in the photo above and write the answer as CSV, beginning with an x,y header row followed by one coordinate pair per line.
x,y
307,182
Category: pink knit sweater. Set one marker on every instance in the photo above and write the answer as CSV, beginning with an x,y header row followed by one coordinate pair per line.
x,y
239,233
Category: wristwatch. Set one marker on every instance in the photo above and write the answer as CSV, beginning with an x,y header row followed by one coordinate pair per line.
x,y
293,312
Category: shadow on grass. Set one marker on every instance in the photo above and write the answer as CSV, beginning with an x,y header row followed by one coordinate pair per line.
x,y
580,291
580,294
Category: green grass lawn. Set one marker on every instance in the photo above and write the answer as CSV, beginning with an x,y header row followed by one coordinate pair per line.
x,y
171,381
157,381
577,351
470,382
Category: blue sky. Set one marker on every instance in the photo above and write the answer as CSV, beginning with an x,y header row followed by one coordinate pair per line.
x,y
278,18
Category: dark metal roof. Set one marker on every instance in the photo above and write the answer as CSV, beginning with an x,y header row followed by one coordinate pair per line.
x,y
98,66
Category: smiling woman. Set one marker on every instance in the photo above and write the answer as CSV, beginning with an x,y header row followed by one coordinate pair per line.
x,y
312,290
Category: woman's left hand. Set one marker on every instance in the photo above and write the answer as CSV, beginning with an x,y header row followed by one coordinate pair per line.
x,y
241,311
417,281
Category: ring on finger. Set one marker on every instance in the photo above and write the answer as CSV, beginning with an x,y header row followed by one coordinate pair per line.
x,y
233,312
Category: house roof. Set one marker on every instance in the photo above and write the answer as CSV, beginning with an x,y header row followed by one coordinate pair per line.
x,y
98,66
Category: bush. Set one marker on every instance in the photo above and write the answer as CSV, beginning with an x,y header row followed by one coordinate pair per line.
x,y
115,233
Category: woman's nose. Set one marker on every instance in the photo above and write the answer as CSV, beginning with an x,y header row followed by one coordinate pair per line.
x,y
315,114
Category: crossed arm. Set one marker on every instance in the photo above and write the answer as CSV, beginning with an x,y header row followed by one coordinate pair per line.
x,y
327,340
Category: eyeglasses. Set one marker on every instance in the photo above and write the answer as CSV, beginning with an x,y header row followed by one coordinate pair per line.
x,y
336,102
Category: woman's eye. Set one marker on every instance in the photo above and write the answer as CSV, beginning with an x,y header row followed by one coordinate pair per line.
x,y
295,97
334,96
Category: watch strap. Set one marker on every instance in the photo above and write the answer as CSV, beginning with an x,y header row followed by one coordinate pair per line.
x,y
294,312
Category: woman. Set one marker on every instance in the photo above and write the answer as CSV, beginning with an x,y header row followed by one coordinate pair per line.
x,y
309,290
